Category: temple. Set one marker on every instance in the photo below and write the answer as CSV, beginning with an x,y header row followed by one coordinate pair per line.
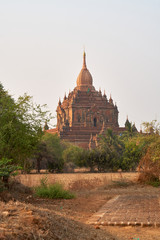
x,y
85,113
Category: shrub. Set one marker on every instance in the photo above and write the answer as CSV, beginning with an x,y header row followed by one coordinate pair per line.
x,y
53,191
149,165
154,183
7,169
131,155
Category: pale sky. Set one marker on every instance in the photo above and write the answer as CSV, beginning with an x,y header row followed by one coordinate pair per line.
x,y
41,48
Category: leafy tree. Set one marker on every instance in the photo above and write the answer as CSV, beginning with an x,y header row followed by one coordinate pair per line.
x,y
152,127
7,170
41,154
20,127
73,153
130,132
91,159
110,151
131,155
50,149
149,165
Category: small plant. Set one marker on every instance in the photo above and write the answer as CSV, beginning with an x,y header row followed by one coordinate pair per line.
x,y
44,181
154,183
53,191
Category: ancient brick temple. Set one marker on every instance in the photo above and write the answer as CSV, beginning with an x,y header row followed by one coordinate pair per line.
x,y
85,113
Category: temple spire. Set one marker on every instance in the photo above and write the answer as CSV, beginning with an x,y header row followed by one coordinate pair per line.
x,y
84,60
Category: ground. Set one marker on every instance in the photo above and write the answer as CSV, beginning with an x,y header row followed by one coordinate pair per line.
x,y
28,217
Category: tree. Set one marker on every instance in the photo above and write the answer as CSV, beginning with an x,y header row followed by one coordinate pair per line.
x,y
6,170
20,127
149,164
130,132
50,149
131,155
110,151
152,127
91,159
72,153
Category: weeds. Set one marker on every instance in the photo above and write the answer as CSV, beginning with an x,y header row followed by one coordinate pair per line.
x,y
154,183
52,191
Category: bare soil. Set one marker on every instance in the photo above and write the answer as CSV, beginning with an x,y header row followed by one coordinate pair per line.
x,y
24,216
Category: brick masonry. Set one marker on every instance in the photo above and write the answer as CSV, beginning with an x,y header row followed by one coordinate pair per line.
x,y
136,210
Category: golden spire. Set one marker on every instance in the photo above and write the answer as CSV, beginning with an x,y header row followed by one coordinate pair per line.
x,y
84,60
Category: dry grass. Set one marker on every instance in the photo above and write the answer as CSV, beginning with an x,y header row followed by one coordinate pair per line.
x,y
85,184
71,180
28,217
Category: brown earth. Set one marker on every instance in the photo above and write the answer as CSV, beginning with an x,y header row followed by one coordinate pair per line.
x,y
29,217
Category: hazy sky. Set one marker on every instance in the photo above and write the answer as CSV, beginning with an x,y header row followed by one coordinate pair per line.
x,y
41,47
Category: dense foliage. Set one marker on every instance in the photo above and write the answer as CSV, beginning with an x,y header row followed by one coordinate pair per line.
x,y
20,132
150,162
7,169
49,153
20,127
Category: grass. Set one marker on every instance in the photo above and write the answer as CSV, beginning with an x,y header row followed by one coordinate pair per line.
x,y
153,183
52,191
121,183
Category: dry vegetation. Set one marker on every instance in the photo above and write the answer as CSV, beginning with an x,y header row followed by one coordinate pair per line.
x,y
24,216
68,179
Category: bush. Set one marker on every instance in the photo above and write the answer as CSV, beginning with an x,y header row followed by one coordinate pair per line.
x,y
154,183
149,165
53,191
7,169
131,155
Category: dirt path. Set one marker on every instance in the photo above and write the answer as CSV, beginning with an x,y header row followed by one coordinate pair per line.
x,y
35,218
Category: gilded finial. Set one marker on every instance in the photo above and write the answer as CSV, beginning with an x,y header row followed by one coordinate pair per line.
x,y
84,59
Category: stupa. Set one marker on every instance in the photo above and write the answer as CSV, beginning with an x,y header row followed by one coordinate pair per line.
x,y
85,112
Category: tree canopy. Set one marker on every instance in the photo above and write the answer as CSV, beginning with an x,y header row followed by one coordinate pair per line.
x,y
20,126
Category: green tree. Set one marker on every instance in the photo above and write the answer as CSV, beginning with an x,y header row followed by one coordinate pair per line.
x,y
131,155
50,149
152,127
6,170
20,127
110,151
73,153
130,132
91,159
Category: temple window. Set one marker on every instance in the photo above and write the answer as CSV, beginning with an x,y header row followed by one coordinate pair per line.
x,y
95,122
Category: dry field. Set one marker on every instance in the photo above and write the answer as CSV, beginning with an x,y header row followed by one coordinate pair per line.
x,y
28,217
68,179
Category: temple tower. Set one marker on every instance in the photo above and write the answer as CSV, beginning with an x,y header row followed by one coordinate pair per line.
x,y
85,112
